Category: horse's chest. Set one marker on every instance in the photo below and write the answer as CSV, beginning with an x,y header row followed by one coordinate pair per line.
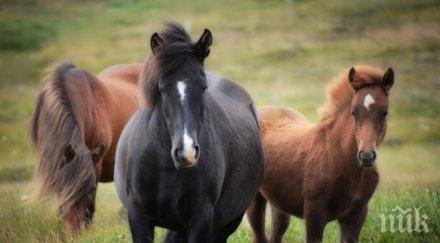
x,y
175,195
166,204
340,195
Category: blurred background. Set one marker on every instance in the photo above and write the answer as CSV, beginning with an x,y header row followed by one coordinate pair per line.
x,y
283,52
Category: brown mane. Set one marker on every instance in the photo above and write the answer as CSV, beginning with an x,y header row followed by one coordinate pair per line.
x,y
53,127
340,92
75,127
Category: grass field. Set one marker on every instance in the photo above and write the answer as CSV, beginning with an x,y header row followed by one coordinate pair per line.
x,y
283,52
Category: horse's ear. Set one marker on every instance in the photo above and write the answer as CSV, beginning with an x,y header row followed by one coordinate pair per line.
x,y
155,42
353,80
69,153
203,44
388,80
98,153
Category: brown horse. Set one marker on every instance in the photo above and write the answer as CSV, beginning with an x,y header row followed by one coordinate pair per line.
x,y
324,171
75,128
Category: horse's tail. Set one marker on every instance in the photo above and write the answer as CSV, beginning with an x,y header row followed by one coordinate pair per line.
x,y
64,168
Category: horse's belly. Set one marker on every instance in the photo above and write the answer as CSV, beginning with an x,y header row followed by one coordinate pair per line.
x,y
284,199
239,191
283,182
292,208
245,170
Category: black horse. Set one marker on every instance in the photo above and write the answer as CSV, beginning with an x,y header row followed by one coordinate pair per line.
x,y
191,159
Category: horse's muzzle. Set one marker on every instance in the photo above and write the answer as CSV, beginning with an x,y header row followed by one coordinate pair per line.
x,y
186,159
366,158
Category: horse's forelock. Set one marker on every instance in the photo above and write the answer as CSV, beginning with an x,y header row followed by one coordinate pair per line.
x,y
175,51
340,92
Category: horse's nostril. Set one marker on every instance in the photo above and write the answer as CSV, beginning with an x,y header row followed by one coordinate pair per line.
x,y
367,158
373,155
368,155
197,148
178,154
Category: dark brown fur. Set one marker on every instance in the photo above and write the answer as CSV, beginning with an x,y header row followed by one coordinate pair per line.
x,y
312,170
76,123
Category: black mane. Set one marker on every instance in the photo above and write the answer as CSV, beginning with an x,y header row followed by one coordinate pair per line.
x,y
177,48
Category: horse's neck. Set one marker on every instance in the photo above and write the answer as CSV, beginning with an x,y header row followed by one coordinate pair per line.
x,y
90,112
341,133
343,130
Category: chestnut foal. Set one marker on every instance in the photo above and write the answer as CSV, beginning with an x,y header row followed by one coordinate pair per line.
x,y
324,171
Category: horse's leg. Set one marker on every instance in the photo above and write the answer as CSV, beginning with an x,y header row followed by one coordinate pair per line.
x,y
351,225
141,227
222,235
280,223
256,215
200,224
175,237
315,223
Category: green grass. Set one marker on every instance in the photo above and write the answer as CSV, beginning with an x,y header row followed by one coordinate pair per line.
x,y
283,52
25,36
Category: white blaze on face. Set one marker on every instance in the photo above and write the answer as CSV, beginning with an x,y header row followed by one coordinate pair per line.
x,y
368,100
188,147
190,152
181,87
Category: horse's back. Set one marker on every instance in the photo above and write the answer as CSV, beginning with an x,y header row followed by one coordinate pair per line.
x,y
274,118
123,72
283,128
226,86
122,81
233,98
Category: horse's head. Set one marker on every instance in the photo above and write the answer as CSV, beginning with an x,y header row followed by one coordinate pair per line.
x,y
77,201
181,93
370,109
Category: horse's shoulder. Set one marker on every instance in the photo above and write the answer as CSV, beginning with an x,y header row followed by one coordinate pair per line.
x,y
141,117
134,135
128,152
227,87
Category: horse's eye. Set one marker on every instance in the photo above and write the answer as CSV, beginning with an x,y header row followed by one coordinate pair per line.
x,y
385,113
204,89
353,113
162,91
